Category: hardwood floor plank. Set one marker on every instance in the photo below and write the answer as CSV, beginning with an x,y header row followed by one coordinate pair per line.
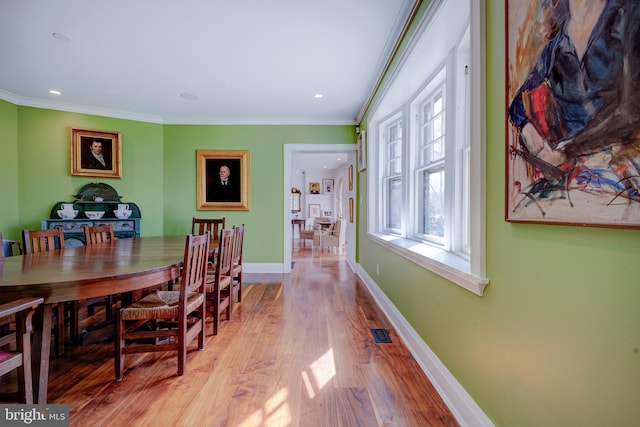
x,y
297,351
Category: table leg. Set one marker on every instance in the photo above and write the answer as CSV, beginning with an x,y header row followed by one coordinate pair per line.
x,y
41,349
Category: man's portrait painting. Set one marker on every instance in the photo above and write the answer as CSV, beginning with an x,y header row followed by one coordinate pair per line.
x,y
223,179
573,112
96,153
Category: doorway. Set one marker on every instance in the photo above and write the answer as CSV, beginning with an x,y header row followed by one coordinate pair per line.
x,y
347,150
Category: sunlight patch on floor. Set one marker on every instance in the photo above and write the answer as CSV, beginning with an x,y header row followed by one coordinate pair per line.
x,y
274,413
322,370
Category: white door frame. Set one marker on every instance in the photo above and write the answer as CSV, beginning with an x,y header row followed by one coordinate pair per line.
x,y
289,149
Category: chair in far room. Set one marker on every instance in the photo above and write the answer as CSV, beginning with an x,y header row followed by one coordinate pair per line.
x,y
309,233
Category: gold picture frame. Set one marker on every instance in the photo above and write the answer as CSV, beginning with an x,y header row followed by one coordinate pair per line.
x,y
96,153
314,188
214,194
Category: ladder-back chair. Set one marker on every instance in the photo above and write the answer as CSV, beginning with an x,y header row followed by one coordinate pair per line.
x,y
219,289
167,320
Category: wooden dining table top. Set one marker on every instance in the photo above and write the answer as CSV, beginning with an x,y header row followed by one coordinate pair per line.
x,y
89,271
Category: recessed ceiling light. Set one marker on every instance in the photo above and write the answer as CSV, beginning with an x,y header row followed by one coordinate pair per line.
x,y
55,92
61,37
189,96
318,95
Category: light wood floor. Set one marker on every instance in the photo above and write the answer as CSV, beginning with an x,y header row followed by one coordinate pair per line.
x,y
298,351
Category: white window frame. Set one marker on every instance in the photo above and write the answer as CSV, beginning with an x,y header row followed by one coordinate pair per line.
x,y
397,120
460,256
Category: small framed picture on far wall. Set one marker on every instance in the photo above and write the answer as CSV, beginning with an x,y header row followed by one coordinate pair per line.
x,y
327,186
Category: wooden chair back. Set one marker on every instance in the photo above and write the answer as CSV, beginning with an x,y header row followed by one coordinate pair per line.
x,y
195,263
219,290
202,225
98,234
22,311
236,264
34,241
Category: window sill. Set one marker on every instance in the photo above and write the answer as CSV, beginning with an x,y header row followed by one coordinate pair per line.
x,y
446,264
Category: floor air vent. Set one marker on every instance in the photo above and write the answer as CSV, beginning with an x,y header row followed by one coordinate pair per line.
x,y
380,335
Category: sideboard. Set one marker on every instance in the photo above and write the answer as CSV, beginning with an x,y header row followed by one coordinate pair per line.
x,y
74,228
94,197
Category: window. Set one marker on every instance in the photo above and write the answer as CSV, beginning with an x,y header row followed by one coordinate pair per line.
x,y
430,177
392,178
427,176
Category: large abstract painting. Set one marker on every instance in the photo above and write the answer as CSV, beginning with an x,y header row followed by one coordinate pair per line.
x,y
573,106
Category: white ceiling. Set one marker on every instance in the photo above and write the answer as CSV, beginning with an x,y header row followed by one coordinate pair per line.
x,y
306,161
250,61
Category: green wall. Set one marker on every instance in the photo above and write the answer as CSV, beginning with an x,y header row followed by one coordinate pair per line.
x,y
158,171
555,340
265,218
44,165
8,170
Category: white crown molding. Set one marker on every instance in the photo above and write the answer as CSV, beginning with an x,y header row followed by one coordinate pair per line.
x,y
201,120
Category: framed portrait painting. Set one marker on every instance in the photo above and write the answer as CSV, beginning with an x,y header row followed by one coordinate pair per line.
x,y
362,151
572,150
96,153
314,188
222,180
327,186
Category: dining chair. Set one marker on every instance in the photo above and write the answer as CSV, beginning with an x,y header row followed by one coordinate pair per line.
x,y
219,283
97,234
102,233
236,262
34,241
7,323
37,241
19,359
8,247
202,225
167,320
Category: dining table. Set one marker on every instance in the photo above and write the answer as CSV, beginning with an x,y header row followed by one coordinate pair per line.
x,y
76,273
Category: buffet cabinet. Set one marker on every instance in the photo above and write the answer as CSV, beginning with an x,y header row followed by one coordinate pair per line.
x,y
74,228
99,198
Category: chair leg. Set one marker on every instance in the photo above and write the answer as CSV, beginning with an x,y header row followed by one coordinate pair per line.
x,y
59,343
202,312
119,347
182,346
23,345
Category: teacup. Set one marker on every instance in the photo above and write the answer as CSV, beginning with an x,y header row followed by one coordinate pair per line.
x,y
67,213
123,206
67,206
122,213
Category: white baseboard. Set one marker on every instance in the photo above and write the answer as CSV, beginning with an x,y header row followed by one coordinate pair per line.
x,y
463,407
262,268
